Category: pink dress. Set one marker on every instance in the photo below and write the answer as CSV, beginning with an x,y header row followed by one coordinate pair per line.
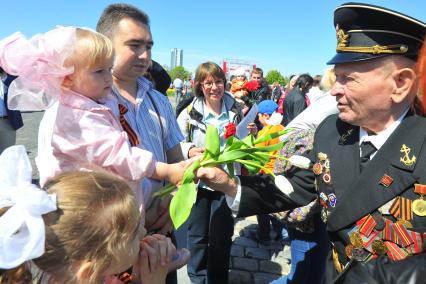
x,y
77,133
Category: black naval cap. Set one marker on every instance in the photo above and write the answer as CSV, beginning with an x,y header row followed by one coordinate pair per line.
x,y
366,31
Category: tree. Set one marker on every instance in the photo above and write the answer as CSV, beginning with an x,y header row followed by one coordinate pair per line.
x,y
275,76
179,72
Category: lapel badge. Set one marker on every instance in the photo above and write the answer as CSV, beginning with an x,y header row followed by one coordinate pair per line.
x,y
332,199
406,160
317,169
345,136
323,199
386,180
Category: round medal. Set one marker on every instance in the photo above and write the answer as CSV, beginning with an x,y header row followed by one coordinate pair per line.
x,y
419,207
379,247
405,223
322,156
356,240
348,249
317,169
326,178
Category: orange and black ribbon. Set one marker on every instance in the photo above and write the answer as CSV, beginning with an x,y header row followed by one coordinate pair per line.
x,y
401,209
133,137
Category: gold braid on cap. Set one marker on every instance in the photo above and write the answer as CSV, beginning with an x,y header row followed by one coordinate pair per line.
x,y
342,41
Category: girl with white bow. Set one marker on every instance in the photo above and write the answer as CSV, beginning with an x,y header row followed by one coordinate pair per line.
x,y
81,228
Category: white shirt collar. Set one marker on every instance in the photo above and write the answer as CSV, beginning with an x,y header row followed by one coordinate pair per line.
x,y
380,138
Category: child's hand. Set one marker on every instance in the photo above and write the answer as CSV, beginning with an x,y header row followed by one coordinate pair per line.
x,y
155,249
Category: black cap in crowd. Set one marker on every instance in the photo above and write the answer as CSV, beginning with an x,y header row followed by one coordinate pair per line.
x,y
366,32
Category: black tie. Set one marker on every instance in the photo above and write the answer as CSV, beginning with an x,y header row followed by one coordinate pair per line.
x,y
367,148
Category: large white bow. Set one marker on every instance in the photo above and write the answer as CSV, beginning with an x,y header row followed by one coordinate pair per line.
x,y
22,232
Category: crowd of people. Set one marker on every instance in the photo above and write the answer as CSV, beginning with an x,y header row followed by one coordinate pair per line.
x,y
109,139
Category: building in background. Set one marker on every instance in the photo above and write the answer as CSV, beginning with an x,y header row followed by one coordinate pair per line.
x,y
176,58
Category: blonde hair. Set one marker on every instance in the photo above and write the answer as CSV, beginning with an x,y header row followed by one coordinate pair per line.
x,y
91,49
328,79
97,217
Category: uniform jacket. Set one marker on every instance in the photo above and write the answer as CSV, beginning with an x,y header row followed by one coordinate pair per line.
x,y
14,116
357,194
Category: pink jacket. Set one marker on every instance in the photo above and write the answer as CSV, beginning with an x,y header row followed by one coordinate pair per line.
x,y
77,133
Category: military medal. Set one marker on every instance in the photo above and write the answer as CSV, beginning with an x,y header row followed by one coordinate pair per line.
x,y
419,205
332,199
405,223
386,180
322,156
317,169
348,250
379,247
356,240
360,254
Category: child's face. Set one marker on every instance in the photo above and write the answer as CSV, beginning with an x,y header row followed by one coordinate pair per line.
x,y
93,82
241,77
263,117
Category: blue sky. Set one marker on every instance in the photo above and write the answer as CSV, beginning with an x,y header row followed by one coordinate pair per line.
x,y
289,36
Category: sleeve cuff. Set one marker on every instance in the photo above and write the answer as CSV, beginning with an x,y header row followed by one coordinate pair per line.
x,y
185,146
234,202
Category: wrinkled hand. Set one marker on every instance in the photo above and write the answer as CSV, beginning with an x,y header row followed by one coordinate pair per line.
x,y
218,180
196,151
252,128
157,217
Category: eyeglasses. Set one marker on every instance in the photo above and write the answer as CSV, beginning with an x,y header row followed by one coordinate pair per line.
x,y
218,83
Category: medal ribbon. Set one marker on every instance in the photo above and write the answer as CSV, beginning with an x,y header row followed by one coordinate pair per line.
x,y
401,209
367,226
420,189
395,253
402,234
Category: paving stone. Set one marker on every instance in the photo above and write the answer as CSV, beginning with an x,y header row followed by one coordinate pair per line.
x,y
239,277
270,267
237,251
246,242
264,278
246,264
257,253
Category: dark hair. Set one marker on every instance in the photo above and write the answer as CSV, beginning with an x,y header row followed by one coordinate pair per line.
x,y
114,13
303,81
203,71
257,71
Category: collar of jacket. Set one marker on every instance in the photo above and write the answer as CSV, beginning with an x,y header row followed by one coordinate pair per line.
x,y
230,105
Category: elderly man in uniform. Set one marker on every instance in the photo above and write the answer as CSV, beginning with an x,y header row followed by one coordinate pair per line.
x,y
368,162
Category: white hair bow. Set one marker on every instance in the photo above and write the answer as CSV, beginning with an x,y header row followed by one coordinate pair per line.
x,y
22,232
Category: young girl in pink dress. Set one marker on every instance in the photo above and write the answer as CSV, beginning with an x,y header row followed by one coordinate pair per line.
x,y
68,71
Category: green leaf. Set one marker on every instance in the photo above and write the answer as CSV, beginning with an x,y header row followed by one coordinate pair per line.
x,y
182,202
165,190
231,156
189,174
248,140
212,142
252,166
231,170
271,136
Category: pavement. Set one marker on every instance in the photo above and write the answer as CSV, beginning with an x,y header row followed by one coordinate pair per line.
x,y
251,262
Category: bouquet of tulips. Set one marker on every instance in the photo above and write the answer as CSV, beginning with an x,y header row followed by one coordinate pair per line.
x,y
242,151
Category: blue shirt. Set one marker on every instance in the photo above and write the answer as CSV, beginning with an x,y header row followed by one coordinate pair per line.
x,y
143,119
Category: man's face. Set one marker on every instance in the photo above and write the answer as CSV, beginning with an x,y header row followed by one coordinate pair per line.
x,y
256,77
132,44
363,93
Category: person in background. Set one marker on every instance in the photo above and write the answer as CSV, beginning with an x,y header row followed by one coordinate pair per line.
x,y
237,85
288,88
277,91
159,77
296,101
211,224
263,92
266,113
10,120
315,91
178,86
